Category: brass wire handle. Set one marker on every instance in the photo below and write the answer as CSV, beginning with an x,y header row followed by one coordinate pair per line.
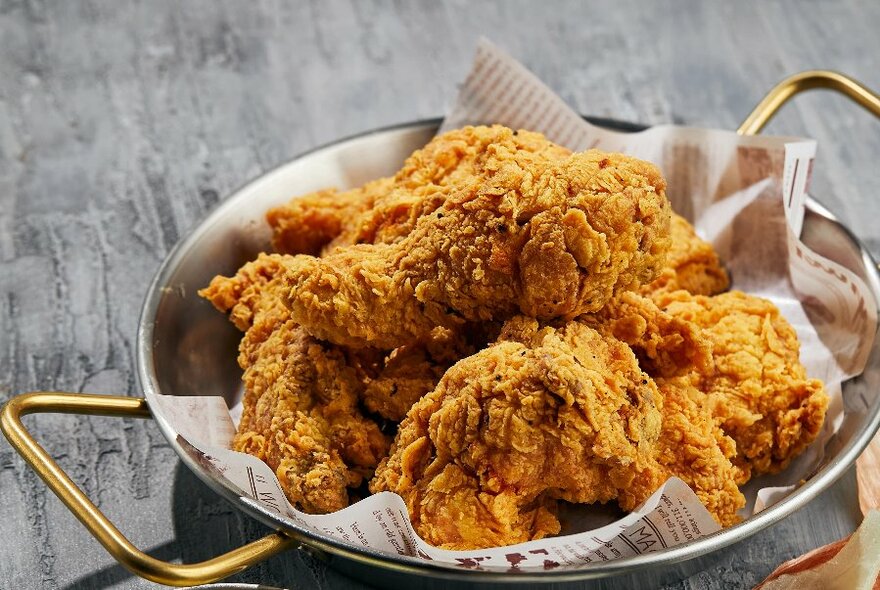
x,y
92,518
809,80
239,559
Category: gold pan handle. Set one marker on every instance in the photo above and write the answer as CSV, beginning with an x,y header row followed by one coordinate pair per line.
x,y
92,518
809,80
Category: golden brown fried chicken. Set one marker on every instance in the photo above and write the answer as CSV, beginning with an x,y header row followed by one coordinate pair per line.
x,y
665,345
692,264
300,415
758,392
308,223
542,414
300,408
542,237
395,381
385,210
693,448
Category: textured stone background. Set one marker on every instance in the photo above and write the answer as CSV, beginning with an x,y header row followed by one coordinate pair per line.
x,y
122,123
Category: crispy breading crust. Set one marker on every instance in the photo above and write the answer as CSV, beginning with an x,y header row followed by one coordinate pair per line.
x,y
758,392
395,380
308,223
692,264
665,345
537,236
385,210
694,449
543,414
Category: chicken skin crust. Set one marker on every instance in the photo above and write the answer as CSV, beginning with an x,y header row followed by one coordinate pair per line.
x,y
758,392
693,448
692,264
394,381
545,238
300,410
385,210
541,415
665,345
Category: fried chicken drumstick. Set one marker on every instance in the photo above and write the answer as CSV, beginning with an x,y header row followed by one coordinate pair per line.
x,y
535,235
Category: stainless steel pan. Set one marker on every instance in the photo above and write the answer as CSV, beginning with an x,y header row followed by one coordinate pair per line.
x,y
184,347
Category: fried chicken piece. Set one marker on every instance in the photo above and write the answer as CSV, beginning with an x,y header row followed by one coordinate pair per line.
x,y
300,409
385,210
300,416
692,264
543,414
759,392
665,345
693,448
308,223
541,237
396,380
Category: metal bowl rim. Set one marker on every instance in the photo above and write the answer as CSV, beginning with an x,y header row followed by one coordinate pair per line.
x,y
308,539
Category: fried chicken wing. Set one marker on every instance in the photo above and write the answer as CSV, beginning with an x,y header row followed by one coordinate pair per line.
x,y
300,409
758,392
541,237
543,414
692,264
